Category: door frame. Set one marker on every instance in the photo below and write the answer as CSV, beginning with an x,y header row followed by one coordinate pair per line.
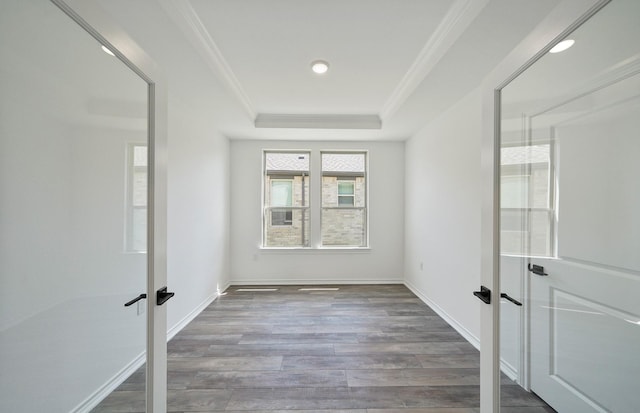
x,y
92,18
562,20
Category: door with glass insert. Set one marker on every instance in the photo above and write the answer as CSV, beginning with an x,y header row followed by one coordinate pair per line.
x,y
73,193
570,233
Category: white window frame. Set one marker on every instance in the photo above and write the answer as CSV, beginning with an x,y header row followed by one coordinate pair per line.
x,y
306,231
365,207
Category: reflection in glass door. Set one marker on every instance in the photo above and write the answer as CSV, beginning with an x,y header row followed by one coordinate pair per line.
x,y
72,211
570,232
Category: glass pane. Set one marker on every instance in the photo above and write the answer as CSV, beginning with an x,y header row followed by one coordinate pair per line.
x,y
570,132
286,185
344,201
286,227
345,188
281,193
344,227
68,114
140,155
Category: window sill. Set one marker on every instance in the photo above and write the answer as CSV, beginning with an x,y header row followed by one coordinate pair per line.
x,y
309,249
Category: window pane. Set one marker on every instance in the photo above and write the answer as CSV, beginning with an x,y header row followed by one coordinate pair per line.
x,y
286,198
281,217
139,190
526,200
345,188
281,193
139,229
514,191
344,227
136,221
344,200
139,155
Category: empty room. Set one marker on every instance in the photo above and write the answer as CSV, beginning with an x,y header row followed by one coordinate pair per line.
x,y
339,206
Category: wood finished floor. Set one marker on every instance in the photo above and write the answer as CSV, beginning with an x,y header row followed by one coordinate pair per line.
x,y
358,349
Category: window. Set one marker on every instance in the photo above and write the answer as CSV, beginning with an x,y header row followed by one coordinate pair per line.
x,y
286,199
281,196
526,200
346,193
342,209
344,199
136,219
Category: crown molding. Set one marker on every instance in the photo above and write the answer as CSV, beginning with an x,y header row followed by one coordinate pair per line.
x,y
183,14
457,20
266,120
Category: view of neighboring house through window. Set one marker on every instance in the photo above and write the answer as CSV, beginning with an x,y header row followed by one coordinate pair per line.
x,y
136,220
344,199
346,193
281,197
286,220
526,200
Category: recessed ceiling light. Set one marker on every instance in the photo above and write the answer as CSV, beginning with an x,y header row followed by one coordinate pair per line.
x,y
319,67
107,51
562,46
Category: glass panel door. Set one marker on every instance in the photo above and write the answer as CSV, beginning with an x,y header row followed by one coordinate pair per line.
x,y
72,227
570,232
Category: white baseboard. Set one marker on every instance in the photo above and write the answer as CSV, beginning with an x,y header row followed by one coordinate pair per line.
x,y
509,370
307,281
171,332
94,399
470,337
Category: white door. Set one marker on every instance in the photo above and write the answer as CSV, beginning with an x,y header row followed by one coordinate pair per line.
x,y
585,312
569,173
79,264
575,115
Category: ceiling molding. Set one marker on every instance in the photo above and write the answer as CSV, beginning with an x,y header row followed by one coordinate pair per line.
x,y
183,14
456,21
265,120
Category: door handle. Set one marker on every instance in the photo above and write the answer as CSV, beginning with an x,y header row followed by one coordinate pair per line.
x,y
536,269
162,296
484,294
135,300
513,300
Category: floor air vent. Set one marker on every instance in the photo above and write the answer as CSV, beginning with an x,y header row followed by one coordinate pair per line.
x,y
256,290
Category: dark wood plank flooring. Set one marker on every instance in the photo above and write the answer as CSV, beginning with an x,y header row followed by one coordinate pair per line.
x,y
357,349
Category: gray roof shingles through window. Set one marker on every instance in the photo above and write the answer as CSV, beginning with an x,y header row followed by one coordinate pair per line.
x,y
331,162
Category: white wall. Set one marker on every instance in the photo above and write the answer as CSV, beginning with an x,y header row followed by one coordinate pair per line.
x,y
442,214
198,209
198,168
383,262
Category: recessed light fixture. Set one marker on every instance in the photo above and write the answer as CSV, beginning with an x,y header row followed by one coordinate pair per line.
x,y
562,46
107,51
319,67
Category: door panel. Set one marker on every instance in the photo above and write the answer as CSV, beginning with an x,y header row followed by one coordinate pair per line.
x,y
68,114
582,312
584,327
585,336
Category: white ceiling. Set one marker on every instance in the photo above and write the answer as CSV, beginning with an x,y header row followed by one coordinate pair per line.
x,y
394,63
